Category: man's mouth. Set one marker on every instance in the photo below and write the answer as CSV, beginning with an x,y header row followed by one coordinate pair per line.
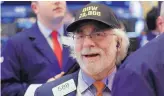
x,y
57,9
91,55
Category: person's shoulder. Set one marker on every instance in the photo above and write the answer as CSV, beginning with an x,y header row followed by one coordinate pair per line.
x,y
145,58
150,48
160,38
47,87
22,36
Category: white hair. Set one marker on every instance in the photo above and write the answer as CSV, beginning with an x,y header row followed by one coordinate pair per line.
x,y
124,44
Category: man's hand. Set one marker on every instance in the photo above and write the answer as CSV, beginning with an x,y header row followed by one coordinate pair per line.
x,y
56,77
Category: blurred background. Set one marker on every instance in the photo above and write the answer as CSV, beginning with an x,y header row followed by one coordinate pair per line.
x,y
17,16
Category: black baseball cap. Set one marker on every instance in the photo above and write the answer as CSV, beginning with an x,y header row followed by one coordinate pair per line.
x,y
94,12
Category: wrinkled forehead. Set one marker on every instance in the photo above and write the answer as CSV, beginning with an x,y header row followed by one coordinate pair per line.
x,y
91,25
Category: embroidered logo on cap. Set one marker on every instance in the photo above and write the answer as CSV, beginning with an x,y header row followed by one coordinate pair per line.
x,y
90,11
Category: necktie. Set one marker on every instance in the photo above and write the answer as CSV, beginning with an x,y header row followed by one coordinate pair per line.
x,y
57,48
99,88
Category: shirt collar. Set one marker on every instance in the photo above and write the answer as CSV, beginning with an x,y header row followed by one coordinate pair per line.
x,y
86,81
47,32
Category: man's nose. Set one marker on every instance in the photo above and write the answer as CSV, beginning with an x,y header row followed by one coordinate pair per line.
x,y
88,42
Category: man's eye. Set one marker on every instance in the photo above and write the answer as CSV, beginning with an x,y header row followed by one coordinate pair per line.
x,y
99,34
97,30
79,36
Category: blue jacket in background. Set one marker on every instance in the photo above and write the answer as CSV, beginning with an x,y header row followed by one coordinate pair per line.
x,y
28,59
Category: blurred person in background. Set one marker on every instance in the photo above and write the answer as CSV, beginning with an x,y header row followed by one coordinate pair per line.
x,y
142,72
36,55
153,31
68,18
142,38
151,20
99,45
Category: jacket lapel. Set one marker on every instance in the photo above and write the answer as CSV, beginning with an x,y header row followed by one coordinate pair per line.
x,y
42,46
66,54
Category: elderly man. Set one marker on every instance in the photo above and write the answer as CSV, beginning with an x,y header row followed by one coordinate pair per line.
x,y
142,73
99,45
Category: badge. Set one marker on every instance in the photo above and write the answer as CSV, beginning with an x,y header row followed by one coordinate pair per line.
x,y
64,88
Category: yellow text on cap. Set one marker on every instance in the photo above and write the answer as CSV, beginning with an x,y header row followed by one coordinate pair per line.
x,y
90,11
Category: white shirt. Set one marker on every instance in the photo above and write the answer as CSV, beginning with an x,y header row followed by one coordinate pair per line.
x,y
47,34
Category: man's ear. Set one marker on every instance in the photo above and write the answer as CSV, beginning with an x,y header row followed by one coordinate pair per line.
x,y
118,44
119,41
159,23
34,6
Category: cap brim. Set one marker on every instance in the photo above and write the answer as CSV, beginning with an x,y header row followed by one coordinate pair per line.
x,y
73,26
